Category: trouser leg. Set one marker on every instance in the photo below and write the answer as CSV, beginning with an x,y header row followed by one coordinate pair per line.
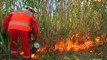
x,y
23,37
13,46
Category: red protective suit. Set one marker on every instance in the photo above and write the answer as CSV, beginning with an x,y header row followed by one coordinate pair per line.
x,y
23,36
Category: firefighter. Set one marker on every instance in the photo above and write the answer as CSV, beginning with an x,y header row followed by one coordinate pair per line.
x,y
18,24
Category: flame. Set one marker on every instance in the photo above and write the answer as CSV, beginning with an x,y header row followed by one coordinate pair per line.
x,y
32,55
77,35
21,53
43,48
35,56
59,45
69,45
92,51
97,40
77,47
74,42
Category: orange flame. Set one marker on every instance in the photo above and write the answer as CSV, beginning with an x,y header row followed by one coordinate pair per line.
x,y
21,53
69,44
97,40
60,46
72,43
43,48
35,56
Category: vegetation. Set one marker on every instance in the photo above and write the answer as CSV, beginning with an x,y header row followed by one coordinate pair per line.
x,y
66,17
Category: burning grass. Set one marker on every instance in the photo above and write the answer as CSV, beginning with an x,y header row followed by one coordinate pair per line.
x,y
74,47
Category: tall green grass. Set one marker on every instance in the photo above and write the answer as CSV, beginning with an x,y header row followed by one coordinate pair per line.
x,y
81,16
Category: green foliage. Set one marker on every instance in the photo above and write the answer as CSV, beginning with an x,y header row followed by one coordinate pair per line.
x,y
3,48
96,6
104,16
77,18
50,56
0,14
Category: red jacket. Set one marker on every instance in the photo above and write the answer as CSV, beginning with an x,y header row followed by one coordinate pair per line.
x,y
33,24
